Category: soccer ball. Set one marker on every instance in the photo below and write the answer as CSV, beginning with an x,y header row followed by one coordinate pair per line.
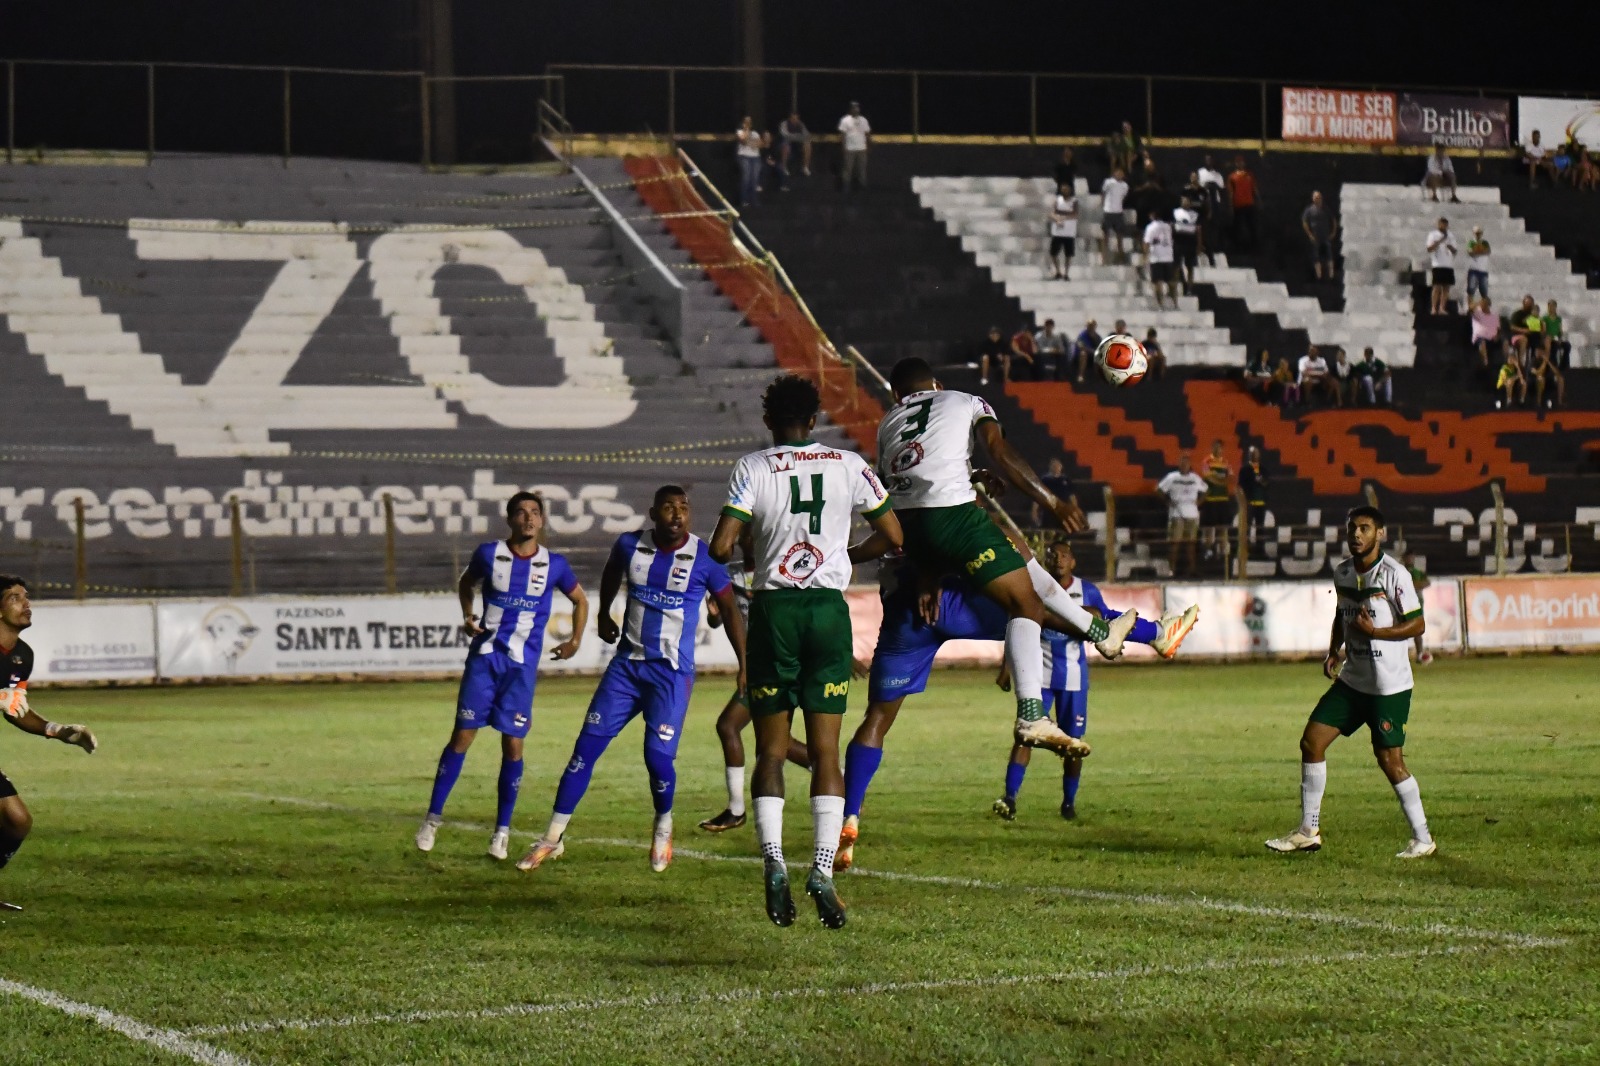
x,y
1121,359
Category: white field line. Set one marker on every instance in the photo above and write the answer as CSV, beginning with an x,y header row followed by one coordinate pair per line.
x,y
168,1040
882,988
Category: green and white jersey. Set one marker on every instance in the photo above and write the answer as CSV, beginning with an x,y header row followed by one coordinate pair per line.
x,y
925,447
1376,667
743,586
799,500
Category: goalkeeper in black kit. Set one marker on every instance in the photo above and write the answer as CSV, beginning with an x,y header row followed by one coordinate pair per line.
x,y
16,665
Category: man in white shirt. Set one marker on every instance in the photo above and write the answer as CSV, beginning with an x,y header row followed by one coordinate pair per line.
x,y
1063,232
1113,193
855,134
1313,376
1441,175
1537,158
1442,260
1186,240
1182,488
1158,256
1214,184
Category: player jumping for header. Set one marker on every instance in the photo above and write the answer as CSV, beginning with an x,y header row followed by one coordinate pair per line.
x,y
1378,615
16,666
668,573
798,498
517,577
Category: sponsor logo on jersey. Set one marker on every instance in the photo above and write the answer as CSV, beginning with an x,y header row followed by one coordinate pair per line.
x,y
665,732
508,601
662,599
765,690
520,720
541,564
872,479
680,573
593,718
974,565
778,462
576,765
906,458
684,555
896,682
841,688
800,561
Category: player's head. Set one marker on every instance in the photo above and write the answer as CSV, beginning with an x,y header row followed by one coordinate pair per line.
x,y
1363,530
789,408
1183,462
670,512
15,610
525,516
1060,561
1216,447
911,375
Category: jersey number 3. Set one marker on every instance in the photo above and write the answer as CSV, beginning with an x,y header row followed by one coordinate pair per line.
x,y
813,506
918,422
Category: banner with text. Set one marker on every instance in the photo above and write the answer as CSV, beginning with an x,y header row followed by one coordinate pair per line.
x,y
1469,122
1544,612
1558,120
93,641
1338,116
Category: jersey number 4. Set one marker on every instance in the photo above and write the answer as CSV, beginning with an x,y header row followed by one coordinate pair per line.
x,y
813,506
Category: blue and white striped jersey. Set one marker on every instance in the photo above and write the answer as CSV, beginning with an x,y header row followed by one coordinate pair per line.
x,y
665,590
516,598
1066,659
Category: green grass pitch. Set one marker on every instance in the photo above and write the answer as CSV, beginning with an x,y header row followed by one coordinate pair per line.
x,y
237,858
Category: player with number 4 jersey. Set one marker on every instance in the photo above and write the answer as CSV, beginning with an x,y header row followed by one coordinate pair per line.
x,y
798,498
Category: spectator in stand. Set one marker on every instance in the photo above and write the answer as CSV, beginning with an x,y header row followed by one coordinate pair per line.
x,y
1055,479
1536,157
1477,265
748,148
1215,185
1511,379
855,136
1485,329
1022,367
1585,174
1253,483
1063,232
794,137
1321,226
1441,174
1144,170
1186,241
1121,148
1373,379
1556,338
1258,376
1050,349
1242,195
1442,259
1066,171
1153,352
1216,508
1084,347
1182,488
1343,375
1314,376
1288,387
1527,331
993,353
1158,256
1542,365
1113,195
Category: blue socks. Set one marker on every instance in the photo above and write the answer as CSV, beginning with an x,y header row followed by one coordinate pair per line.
x,y
444,780
1144,631
1069,785
575,781
510,785
860,763
663,777
1014,774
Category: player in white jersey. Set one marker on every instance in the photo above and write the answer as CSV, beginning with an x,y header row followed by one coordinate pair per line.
x,y
798,498
925,446
1379,614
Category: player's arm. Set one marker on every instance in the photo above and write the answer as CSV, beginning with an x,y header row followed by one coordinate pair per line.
x,y
1407,606
610,585
734,622
1016,470
580,622
14,705
739,508
886,536
725,538
1330,665
467,593
713,612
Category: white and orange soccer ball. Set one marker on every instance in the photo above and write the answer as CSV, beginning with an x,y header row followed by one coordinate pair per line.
x,y
1122,360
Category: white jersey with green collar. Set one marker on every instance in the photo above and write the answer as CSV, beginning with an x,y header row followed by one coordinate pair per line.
x,y
799,500
1376,667
925,447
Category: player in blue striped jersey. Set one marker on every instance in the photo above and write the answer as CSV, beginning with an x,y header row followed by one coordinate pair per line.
x,y
516,578
1066,686
668,572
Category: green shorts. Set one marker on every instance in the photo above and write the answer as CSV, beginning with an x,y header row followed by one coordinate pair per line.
x,y
799,651
1348,710
961,540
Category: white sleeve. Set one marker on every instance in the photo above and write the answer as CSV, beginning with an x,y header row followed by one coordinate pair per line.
x,y
867,496
1164,486
844,124
741,490
1410,605
866,127
982,412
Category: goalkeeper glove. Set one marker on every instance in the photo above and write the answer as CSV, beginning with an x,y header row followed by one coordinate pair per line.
x,y
14,703
73,734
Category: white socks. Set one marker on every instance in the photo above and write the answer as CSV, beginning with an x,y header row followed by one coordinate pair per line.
x,y
735,776
1055,597
1313,782
664,824
1027,662
558,826
769,826
827,819
1411,803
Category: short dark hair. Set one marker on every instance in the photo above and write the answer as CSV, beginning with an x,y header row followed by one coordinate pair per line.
x,y
11,581
1366,510
518,499
909,373
790,401
668,490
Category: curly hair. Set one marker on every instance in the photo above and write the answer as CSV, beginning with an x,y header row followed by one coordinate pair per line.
x,y
790,401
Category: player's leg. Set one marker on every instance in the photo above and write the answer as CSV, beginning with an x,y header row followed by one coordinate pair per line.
x,y
15,821
861,762
824,691
474,700
512,715
666,705
1337,714
1017,769
1387,717
730,728
1072,715
772,655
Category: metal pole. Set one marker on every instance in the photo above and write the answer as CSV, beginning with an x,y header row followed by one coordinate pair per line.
x,y
916,107
427,122
1149,106
1566,529
1263,118
1033,109
236,531
794,91
1111,534
390,582
672,107
149,113
80,554
1499,529
287,145
1244,534
11,110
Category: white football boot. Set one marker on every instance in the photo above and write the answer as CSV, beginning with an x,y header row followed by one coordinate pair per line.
x,y
1120,626
1299,840
541,852
499,843
1417,849
426,834
661,850
1043,733
1174,627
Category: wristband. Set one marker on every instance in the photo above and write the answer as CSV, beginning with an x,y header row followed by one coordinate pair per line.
x,y
51,729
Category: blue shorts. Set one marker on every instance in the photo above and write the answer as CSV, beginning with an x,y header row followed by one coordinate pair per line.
x,y
497,691
903,659
1072,709
653,689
